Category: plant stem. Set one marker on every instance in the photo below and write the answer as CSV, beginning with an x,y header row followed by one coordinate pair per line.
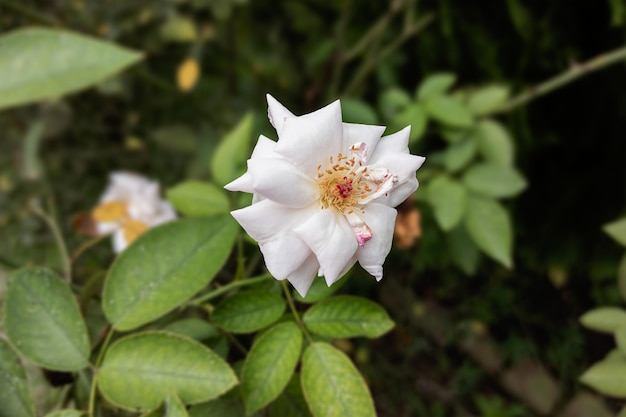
x,y
296,315
58,237
86,245
573,73
374,59
92,393
236,284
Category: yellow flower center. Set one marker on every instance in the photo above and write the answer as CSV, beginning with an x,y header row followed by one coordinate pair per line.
x,y
111,211
133,229
341,183
116,212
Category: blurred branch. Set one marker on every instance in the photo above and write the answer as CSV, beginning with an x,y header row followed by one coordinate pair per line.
x,y
573,73
58,237
21,10
410,29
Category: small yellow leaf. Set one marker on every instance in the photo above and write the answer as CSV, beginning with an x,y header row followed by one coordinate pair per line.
x,y
187,74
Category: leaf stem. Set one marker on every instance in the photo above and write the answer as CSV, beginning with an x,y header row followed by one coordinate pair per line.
x,y
224,289
86,245
92,393
573,73
296,315
58,237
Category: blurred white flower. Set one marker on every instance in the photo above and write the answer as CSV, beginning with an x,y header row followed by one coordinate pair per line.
x,y
130,205
324,194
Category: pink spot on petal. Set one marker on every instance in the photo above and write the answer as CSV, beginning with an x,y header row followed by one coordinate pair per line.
x,y
362,238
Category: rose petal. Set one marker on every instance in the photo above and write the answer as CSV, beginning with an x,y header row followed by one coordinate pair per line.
x,y
396,142
284,254
370,135
277,113
279,181
381,219
331,238
303,277
264,148
119,242
267,220
311,139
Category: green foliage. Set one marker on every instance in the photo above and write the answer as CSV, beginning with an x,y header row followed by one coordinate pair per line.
x,y
481,149
332,385
270,365
493,180
228,161
617,230
142,370
489,225
66,413
494,142
33,69
43,322
153,277
196,198
14,396
604,319
248,311
347,316
449,200
607,377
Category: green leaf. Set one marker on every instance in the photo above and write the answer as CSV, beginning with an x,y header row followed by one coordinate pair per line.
x,y
620,339
14,396
435,85
291,402
604,319
248,311
164,267
617,230
320,290
66,413
489,225
179,29
141,370
414,116
43,322
459,154
39,63
347,316
607,377
493,180
194,328
331,384
231,154
464,252
174,407
392,101
487,99
228,405
448,111
270,364
358,111
197,198
176,138
494,142
449,200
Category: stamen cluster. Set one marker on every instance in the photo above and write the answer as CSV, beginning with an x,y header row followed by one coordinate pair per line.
x,y
342,183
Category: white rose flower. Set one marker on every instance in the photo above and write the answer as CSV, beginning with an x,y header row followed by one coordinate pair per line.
x,y
324,194
130,205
